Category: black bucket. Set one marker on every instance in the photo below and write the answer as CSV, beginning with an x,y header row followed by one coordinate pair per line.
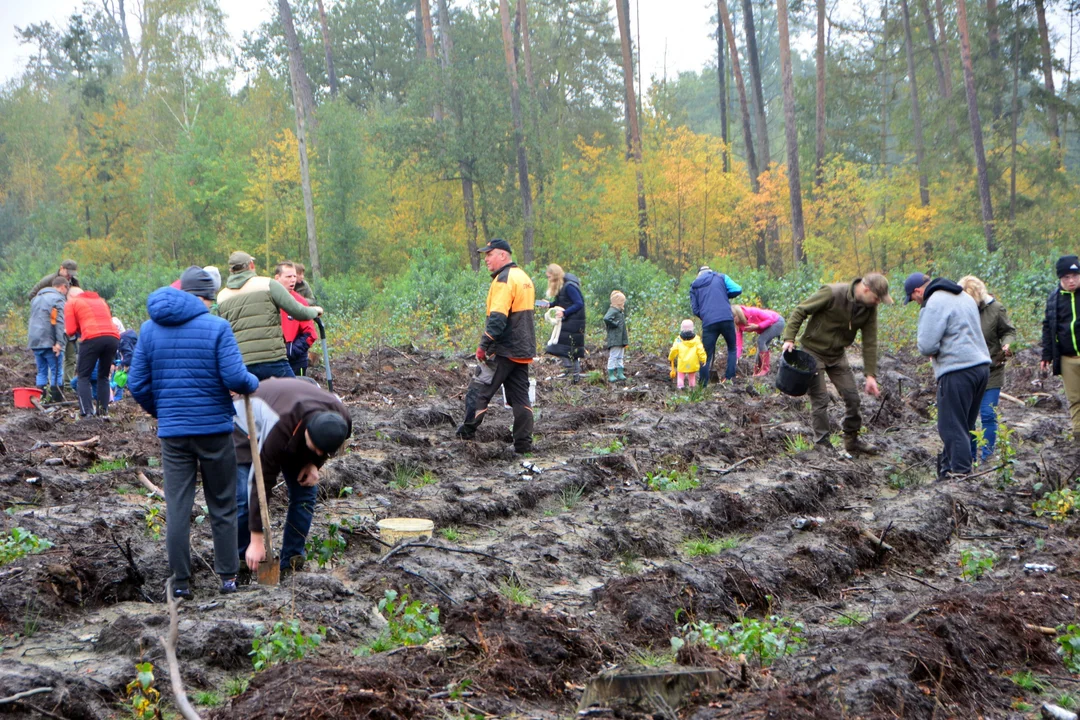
x,y
797,370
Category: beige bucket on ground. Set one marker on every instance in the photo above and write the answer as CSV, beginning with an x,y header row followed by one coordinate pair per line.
x,y
395,530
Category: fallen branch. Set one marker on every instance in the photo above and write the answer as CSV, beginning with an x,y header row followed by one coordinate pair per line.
x,y
24,694
1010,398
731,468
66,443
1041,629
918,580
878,541
463,551
145,482
179,696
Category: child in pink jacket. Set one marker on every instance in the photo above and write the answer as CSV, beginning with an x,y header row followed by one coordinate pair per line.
x,y
768,324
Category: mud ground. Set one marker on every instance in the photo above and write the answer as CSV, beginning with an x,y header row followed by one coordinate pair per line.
x,y
892,632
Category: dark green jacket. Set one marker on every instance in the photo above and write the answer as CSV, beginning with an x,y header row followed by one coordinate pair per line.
x,y
997,331
304,289
835,318
253,305
615,320
47,282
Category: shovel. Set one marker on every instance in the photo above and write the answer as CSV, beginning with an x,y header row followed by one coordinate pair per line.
x,y
269,571
325,355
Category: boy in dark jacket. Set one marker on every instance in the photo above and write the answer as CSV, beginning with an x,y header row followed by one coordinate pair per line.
x,y
617,337
298,426
1061,327
184,366
710,300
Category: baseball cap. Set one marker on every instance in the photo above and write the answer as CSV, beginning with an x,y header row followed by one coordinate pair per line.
x,y
1067,265
328,431
913,282
496,244
71,266
879,285
239,259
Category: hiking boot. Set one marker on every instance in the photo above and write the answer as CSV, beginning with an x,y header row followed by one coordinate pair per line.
x,y
620,374
612,377
856,445
523,449
463,434
228,585
182,593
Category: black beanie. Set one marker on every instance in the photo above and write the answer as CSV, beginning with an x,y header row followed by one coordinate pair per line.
x,y
328,431
198,282
1067,265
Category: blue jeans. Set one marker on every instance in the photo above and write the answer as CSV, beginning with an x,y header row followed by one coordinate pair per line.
x,y
49,365
297,519
709,335
267,370
988,415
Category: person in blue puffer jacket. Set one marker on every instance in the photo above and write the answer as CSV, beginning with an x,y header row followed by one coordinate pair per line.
x,y
185,364
710,300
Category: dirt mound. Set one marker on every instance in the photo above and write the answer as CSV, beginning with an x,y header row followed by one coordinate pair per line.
x,y
523,652
323,689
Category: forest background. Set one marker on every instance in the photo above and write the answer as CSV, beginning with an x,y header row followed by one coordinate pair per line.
x,y
911,134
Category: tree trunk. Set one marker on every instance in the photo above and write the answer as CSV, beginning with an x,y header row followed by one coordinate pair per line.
x,y
534,109
297,74
721,76
330,72
519,132
1014,113
944,83
429,33
993,33
939,7
916,115
819,114
622,11
754,61
791,134
301,91
418,28
976,126
744,106
884,86
1048,75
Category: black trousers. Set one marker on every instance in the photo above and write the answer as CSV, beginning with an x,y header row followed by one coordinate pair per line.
x,y
515,376
959,394
99,351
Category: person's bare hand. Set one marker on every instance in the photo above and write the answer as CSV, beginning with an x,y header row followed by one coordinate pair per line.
x,y
751,328
1044,365
256,552
309,476
318,310
57,349
872,386
559,312
1006,350
788,346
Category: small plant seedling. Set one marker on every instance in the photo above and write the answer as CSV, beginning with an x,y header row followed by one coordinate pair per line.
x,y
237,686
1007,443
1068,641
766,639
153,521
1065,700
615,446
628,564
207,699
976,563
1040,544
104,466
19,543
650,659
283,643
795,444
1058,504
705,545
407,623
571,496
407,475
851,619
325,549
673,479
142,694
1026,680
450,533
345,491
1020,706
512,590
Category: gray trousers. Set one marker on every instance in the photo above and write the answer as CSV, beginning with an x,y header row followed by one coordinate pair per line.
x,y
769,334
616,357
181,458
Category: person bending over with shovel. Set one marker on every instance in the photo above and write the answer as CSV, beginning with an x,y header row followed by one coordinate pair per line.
x,y
298,425
184,366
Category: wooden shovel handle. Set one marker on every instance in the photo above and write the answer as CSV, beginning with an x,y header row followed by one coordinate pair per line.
x,y
268,544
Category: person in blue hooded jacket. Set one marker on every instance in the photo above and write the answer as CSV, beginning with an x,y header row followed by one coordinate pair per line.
x,y
710,300
185,364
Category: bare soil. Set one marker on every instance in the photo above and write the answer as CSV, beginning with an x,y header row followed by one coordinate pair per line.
x,y
892,632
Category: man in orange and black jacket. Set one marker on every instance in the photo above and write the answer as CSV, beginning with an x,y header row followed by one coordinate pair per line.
x,y
507,347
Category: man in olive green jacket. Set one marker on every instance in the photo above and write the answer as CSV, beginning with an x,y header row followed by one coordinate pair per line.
x,y
837,313
253,306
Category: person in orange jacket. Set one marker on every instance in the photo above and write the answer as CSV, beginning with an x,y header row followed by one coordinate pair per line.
x,y
89,317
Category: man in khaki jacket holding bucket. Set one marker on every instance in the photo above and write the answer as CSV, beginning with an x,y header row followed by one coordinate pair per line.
x,y
836,314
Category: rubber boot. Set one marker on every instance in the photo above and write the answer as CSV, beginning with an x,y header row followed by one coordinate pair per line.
x,y
56,394
612,377
575,371
44,393
856,445
620,374
765,364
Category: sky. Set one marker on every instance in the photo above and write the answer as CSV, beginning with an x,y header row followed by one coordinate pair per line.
x,y
682,26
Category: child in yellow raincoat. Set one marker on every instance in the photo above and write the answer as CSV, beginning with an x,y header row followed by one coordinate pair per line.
x,y
687,355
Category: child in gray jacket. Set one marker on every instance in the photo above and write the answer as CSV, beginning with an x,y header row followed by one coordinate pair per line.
x,y
47,340
617,337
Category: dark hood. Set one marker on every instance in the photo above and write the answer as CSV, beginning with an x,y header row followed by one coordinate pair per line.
x,y
941,284
703,279
169,306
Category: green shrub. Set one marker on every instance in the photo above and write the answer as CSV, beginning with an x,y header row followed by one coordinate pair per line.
x,y
325,549
19,543
976,563
766,640
1069,647
283,643
408,623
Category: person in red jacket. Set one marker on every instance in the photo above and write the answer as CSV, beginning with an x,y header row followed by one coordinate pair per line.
x,y
89,317
299,334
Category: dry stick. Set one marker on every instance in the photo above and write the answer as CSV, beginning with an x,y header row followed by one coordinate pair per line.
x,y
1016,400
918,580
66,443
169,642
145,482
429,581
25,694
731,468
879,542
1041,629
463,551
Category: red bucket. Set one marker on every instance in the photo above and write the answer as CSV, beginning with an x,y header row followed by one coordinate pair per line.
x,y
25,396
